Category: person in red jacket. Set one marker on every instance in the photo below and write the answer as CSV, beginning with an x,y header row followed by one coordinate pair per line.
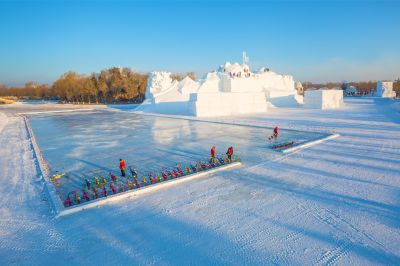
x,y
122,167
229,153
275,134
213,153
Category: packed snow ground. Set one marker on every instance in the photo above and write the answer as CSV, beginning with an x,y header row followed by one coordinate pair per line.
x,y
334,203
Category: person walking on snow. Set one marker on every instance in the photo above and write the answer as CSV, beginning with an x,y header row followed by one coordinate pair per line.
x,y
213,152
122,167
275,134
229,153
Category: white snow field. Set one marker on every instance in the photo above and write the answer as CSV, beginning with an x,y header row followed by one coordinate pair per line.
x,y
335,203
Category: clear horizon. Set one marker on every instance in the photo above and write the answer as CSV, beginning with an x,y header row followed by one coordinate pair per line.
x,y
311,40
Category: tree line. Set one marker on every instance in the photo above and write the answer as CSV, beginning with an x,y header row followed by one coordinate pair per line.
x,y
109,86
113,85
30,90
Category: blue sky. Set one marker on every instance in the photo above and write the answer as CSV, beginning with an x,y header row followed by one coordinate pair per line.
x,y
311,40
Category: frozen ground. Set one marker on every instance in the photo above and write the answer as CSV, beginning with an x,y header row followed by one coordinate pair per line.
x,y
334,203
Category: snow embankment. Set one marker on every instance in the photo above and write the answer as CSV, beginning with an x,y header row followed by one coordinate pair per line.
x,y
3,121
396,106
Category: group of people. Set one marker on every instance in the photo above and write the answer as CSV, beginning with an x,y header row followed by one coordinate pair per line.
x,y
213,152
122,164
98,187
239,75
214,161
229,154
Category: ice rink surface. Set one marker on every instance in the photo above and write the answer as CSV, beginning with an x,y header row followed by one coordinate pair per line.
x,y
89,144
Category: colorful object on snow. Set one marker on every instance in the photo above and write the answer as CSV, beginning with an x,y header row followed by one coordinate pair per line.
x,y
151,179
129,183
77,197
86,195
104,192
57,176
67,201
88,184
282,145
96,181
103,181
113,188
95,195
113,177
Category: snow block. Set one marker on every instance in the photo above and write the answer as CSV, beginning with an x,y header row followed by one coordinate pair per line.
x,y
143,190
384,89
323,99
222,103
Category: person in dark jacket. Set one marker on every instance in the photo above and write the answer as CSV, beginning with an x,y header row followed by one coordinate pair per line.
x,y
133,171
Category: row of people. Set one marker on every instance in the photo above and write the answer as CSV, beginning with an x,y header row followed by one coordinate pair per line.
x,y
100,187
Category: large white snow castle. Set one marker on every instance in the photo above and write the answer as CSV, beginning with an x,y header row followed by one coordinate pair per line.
x,y
232,89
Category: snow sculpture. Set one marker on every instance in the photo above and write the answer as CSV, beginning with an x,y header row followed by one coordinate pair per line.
x,y
210,83
161,88
384,89
323,99
350,90
158,81
299,88
232,89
